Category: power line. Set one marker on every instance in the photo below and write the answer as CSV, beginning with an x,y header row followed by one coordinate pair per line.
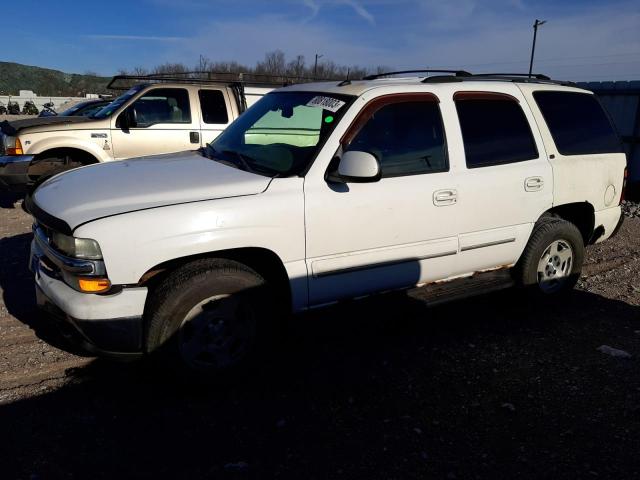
x,y
519,62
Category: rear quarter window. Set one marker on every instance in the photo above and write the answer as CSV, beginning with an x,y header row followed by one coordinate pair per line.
x,y
578,123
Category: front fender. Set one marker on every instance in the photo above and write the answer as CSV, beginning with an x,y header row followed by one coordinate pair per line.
x,y
40,146
135,242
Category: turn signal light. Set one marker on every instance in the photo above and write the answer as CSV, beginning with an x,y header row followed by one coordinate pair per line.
x,y
94,285
16,149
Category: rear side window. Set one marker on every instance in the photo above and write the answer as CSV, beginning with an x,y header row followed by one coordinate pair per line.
x,y
578,124
214,108
406,137
495,130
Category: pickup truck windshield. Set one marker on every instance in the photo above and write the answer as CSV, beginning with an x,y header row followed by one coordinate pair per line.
x,y
108,110
282,133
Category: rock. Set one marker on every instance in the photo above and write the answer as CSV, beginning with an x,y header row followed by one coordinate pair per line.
x,y
239,467
614,352
509,406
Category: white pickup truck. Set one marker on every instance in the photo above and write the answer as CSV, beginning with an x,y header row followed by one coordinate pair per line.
x,y
323,192
154,117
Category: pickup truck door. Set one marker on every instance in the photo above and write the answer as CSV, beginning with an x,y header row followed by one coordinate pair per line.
x,y
397,232
215,112
165,121
507,182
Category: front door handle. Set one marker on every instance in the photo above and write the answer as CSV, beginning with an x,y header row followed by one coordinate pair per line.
x,y
194,137
533,184
443,198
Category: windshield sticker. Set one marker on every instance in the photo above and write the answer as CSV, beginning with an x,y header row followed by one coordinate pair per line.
x,y
327,103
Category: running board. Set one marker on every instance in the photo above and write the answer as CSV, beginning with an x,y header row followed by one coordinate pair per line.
x,y
465,287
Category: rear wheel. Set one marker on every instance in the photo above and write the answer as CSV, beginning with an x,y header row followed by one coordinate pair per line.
x,y
552,260
209,317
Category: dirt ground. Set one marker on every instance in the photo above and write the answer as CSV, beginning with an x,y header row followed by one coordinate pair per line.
x,y
497,386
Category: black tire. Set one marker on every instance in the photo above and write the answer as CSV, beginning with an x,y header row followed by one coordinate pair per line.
x,y
545,233
43,169
239,321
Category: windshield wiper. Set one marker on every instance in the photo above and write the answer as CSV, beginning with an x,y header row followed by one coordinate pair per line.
x,y
242,158
243,163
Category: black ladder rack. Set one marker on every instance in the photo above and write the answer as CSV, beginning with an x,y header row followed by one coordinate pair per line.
x,y
124,82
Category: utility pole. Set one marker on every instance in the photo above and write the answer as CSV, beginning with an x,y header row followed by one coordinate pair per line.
x,y
536,24
315,65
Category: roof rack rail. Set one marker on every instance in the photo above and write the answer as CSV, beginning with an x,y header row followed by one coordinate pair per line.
x,y
537,76
457,73
505,77
124,82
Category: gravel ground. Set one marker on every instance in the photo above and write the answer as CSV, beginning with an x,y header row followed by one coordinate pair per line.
x,y
493,387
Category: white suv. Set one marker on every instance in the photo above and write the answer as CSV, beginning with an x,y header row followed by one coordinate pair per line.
x,y
322,192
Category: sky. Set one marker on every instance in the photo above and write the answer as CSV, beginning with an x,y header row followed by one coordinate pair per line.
x,y
583,40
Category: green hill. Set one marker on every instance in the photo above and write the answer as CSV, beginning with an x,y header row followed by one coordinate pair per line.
x,y
47,82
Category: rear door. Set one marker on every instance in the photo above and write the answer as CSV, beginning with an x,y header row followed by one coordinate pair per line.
x,y
508,181
164,123
215,112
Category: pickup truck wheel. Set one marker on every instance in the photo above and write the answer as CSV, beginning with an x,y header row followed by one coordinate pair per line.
x,y
552,260
208,317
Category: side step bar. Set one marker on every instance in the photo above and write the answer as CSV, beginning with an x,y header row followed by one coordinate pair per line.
x,y
466,287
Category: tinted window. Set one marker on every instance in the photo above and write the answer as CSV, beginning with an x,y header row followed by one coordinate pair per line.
x,y
577,122
163,105
407,138
495,132
214,109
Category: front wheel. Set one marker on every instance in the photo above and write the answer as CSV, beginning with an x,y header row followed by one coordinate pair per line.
x,y
208,317
552,260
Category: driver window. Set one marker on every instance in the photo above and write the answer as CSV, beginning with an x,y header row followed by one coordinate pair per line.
x,y
407,138
163,105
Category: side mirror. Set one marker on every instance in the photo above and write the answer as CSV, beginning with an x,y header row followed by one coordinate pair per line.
x,y
356,167
127,119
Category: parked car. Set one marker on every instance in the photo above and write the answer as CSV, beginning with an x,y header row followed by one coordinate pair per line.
x,y
148,119
324,192
81,109
3,109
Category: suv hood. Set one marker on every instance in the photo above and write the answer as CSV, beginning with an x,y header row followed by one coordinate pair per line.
x,y
12,128
96,191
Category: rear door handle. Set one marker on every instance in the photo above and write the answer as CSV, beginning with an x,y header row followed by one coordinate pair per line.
x,y
533,184
194,137
443,198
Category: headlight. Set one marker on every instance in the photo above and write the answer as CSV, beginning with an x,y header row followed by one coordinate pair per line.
x,y
77,247
12,145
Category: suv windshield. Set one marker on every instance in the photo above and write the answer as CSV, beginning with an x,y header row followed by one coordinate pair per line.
x,y
282,133
117,103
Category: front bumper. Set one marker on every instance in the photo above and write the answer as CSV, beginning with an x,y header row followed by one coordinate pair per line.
x,y
107,325
14,171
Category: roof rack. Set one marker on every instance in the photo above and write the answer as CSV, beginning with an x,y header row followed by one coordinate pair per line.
x,y
537,76
457,73
505,77
124,82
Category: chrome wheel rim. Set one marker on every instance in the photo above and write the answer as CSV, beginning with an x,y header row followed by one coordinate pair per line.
x,y
555,266
217,333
